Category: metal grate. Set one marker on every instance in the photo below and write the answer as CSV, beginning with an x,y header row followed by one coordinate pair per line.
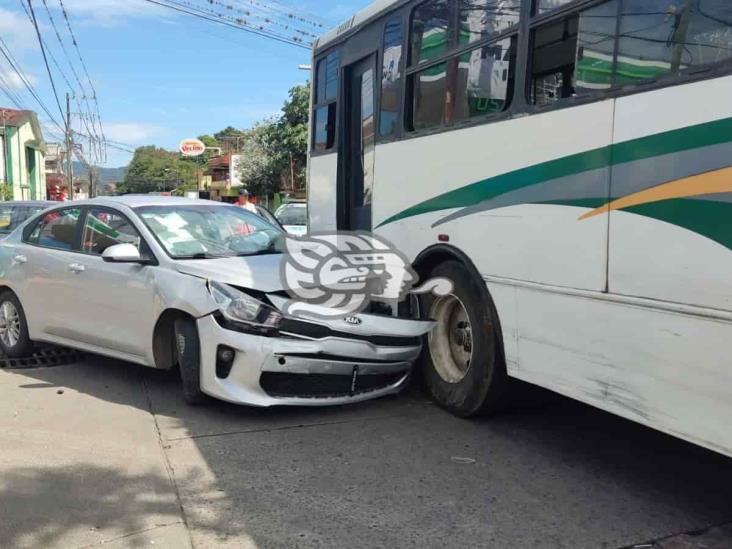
x,y
44,357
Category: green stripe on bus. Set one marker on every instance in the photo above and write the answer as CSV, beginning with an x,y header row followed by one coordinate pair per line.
x,y
692,137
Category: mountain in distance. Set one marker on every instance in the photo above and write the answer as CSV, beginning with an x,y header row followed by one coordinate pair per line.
x,y
105,175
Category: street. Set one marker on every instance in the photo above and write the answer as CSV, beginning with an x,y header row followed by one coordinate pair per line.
x,y
103,452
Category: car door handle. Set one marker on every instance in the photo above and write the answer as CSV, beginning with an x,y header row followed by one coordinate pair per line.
x,y
76,268
19,259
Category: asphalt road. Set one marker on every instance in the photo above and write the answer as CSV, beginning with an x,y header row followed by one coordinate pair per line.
x,y
107,453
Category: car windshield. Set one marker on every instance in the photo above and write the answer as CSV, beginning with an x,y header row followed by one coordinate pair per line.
x,y
208,231
292,214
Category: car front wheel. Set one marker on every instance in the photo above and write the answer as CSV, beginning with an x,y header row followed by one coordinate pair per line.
x,y
189,360
14,339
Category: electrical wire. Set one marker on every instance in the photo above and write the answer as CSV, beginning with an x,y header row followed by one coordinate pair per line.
x,y
45,60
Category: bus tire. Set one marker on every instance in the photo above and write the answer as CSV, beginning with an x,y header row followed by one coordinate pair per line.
x,y
462,359
188,349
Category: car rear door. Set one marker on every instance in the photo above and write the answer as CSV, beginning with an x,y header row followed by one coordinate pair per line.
x,y
40,272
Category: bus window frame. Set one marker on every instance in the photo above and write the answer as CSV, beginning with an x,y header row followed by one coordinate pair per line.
x,y
383,23
317,103
412,68
520,105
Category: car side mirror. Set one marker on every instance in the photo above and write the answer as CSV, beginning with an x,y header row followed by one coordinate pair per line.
x,y
123,253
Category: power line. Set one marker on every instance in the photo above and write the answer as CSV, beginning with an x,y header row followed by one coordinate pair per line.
x,y
5,51
45,60
88,77
188,9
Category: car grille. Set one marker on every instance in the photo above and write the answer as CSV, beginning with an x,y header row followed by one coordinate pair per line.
x,y
319,331
282,384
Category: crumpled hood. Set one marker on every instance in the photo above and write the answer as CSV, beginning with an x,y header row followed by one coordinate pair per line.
x,y
259,272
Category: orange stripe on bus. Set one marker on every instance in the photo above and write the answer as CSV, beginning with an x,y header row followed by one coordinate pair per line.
x,y
719,181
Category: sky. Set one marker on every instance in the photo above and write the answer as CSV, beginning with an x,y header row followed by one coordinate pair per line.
x,y
160,76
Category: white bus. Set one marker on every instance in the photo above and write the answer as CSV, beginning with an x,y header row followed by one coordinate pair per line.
x,y
568,164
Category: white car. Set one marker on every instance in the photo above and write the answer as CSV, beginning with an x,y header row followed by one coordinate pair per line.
x,y
293,216
162,281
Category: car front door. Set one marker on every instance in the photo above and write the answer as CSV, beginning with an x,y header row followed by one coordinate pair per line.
x,y
115,301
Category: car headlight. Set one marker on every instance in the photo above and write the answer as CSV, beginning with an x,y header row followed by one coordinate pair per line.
x,y
240,308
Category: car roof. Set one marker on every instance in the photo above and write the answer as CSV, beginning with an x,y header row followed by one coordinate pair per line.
x,y
29,203
139,200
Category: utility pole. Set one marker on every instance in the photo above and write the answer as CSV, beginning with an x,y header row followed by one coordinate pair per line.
x,y
69,150
92,190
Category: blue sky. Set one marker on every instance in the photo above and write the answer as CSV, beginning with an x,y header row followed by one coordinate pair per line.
x,y
162,76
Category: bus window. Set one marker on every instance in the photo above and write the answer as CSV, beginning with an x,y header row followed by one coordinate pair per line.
x,y
574,54
661,38
544,6
477,78
584,51
326,101
390,77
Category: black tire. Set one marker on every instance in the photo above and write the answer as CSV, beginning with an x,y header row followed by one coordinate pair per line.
x,y
188,349
24,346
484,388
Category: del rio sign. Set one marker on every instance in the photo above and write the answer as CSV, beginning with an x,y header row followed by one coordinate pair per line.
x,y
192,147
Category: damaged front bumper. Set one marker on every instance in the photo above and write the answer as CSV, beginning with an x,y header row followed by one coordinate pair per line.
x,y
309,363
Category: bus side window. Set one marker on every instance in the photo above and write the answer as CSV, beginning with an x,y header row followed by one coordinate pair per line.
x,y
479,39
391,75
326,102
573,54
618,44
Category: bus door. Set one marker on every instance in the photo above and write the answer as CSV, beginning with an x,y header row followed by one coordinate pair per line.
x,y
359,146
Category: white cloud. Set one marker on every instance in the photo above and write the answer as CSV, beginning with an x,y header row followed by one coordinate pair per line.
x,y
14,81
113,12
17,31
131,132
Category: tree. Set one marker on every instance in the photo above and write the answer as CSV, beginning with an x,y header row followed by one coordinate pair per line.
x,y
156,169
274,152
209,140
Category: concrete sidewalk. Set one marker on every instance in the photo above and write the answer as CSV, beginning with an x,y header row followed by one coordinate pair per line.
x,y
77,470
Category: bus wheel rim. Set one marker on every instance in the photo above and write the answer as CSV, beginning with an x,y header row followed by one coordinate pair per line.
x,y
451,341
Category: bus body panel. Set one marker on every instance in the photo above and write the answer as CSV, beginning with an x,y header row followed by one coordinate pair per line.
x,y
678,249
664,369
511,235
322,183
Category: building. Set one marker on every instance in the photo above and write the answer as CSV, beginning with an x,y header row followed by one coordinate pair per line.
x,y
222,175
55,172
22,158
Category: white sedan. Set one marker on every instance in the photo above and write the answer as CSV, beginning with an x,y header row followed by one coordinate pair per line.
x,y
163,282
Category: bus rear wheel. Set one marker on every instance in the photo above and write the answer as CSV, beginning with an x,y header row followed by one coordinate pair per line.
x,y
462,359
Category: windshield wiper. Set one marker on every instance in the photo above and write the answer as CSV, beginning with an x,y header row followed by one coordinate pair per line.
x,y
204,255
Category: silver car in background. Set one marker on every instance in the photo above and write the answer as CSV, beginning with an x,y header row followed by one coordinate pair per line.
x,y
164,281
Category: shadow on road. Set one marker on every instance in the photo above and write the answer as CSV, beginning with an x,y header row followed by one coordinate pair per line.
x,y
95,498
399,471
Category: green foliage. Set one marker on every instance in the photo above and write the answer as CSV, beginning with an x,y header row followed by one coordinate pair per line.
x,y
155,169
209,140
6,191
229,131
275,151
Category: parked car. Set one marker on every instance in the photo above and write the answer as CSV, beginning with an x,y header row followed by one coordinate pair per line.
x,y
269,216
13,213
166,281
293,216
